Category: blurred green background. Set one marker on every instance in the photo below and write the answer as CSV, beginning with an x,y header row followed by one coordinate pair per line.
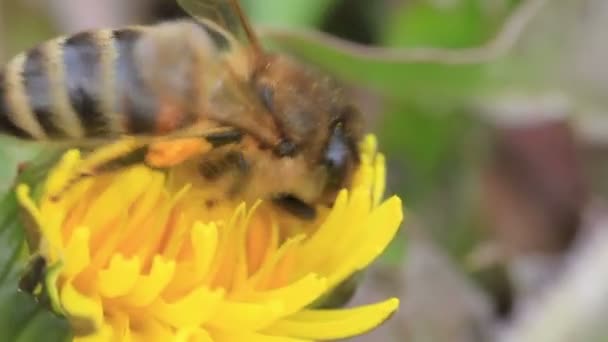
x,y
495,159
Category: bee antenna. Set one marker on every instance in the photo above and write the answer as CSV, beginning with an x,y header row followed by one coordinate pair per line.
x,y
251,36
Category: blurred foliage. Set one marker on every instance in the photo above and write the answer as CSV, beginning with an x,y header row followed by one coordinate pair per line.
x,y
293,13
22,27
423,24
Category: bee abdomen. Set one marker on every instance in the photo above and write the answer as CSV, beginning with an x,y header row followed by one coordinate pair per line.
x,y
104,83
85,59
137,103
86,85
105,86
7,124
18,116
41,92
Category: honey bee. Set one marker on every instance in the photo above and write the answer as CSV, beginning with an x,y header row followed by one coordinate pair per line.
x,y
199,90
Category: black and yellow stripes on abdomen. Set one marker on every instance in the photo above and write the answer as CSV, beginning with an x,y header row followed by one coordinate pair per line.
x,y
86,85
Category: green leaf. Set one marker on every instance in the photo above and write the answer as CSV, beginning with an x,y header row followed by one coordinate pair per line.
x,y
11,154
467,24
422,24
291,13
417,80
423,138
22,319
11,239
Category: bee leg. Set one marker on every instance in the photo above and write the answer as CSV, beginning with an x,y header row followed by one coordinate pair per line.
x,y
229,136
163,154
296,207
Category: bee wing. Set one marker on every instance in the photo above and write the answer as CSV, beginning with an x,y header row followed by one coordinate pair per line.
x,y
226,95
190,77
234,102
225,17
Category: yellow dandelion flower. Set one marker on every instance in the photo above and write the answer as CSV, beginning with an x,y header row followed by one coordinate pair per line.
x,y
139,255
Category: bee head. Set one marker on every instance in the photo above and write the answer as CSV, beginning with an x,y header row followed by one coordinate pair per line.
x,y
315,120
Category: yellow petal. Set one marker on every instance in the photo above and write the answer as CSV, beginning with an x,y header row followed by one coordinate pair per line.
x,y
379,179
131,185
246,316
294,296
230,335
81,306
352,230
262,243
120,326
330,230
204,241
150,190
103,334
62,172
174,244
369,145
264,276
334,324
193,335
223,271
388,216
149,286
150,330
77,254
120,276
192,309
188,275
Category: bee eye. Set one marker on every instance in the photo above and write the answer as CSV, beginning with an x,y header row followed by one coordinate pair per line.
x,y
266,94
337,156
